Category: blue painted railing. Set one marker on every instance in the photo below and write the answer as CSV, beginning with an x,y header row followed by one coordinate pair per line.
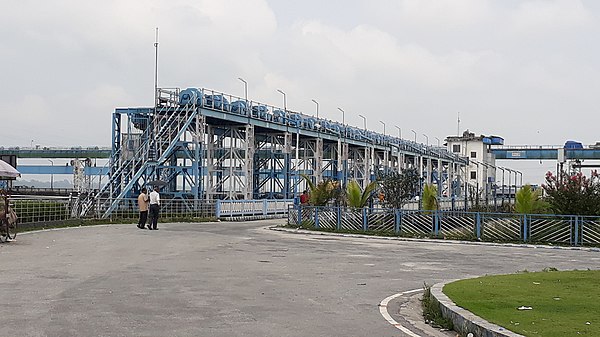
x,y
570,230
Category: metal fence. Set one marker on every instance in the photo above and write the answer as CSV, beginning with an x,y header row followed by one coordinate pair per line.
x,y
570,230
32,209
264,207
169,208
43,209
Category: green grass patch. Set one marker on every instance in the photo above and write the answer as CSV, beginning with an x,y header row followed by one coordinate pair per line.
x,y
563,303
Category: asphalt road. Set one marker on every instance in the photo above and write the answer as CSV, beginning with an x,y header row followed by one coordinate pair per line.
x,y
230,279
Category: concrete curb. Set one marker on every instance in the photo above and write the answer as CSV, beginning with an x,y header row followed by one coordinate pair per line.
x,y
465,321
439,241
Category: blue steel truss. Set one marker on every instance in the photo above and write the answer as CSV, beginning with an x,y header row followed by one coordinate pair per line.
x,y
203,144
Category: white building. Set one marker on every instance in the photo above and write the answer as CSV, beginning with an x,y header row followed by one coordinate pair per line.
x,y
481,172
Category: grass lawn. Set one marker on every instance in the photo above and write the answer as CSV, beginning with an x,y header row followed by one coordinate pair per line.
x,y
564,303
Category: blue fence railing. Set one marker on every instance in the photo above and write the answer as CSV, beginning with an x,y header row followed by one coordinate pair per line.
x,y
570,230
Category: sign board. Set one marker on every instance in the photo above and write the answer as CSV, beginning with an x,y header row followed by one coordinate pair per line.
x,y
516,154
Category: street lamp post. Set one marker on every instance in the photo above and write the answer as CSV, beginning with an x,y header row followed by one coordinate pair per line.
x,y
426,140
342,161
399,131
413,131
502,169
284,101
343,119
52,175
247,107
245,90
317,104
476,183
438,141
364,121
383,127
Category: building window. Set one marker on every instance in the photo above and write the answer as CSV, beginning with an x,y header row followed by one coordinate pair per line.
x,y
473,154
456,148
473,174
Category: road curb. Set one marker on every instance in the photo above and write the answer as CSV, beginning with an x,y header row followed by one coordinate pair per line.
x,y
465,321
439,241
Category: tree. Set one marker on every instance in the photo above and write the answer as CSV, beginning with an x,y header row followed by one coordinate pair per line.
x,y
573,194
529,201
430,199
398,188
322,193
355,195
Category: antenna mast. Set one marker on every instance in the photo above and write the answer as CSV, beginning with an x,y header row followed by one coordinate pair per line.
x,y
458,125
156,68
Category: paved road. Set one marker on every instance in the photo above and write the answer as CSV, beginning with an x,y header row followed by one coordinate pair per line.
x,y
229,279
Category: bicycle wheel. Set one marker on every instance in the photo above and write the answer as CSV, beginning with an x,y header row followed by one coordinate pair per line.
x,y
11,233
3,232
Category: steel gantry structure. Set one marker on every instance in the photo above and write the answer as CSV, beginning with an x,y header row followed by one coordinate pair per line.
x,y
205,145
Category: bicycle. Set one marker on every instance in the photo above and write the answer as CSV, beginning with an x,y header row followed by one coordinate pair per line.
x,y
8,219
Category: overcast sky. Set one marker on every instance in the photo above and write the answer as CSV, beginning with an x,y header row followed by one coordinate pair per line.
x,y
528,71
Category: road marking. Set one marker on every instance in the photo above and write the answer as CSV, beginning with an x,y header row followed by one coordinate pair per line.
x,y
388,317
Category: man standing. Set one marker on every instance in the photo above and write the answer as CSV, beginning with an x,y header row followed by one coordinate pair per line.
x,y
154,208
143,206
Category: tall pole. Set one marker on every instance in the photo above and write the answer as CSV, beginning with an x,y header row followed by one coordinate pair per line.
x,y
317,104
245,90
247,106
383,127
156,68
438,141
343,119
426,140
364,121
503,193
52,175
284,101
341,146
399,131
415,134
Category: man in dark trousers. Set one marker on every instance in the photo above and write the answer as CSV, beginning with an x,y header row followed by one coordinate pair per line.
x,y
154,208
143,206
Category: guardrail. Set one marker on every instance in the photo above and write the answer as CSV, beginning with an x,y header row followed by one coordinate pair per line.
x,y
265,207
573,230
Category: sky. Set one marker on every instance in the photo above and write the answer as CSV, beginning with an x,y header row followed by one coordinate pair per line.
x,y
528,71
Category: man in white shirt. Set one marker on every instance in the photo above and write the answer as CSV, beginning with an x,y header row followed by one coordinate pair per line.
x,y
154,208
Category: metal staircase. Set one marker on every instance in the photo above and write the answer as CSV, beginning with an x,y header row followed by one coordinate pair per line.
x,y
158,144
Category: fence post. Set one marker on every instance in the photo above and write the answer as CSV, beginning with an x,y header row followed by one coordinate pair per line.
x,y
316,217
478,225
299,207
265,206
365,224
398,219
436,224
339,218
218,209
525,228
577,222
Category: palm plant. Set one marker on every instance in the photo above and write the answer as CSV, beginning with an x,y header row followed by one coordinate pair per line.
x,y
356,196
529,201
430,200
323,192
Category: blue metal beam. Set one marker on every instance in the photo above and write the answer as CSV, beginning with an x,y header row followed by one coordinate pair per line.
x,y
544,153
58,169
